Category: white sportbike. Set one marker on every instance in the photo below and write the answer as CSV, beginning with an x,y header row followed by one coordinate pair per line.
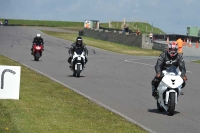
x,y
78,62
169,89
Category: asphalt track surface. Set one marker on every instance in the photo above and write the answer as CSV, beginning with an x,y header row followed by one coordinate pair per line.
x,y
118,82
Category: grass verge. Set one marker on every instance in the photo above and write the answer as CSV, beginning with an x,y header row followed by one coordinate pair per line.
x,y
48,107
48,23
197,61
114,47
72,28
144,27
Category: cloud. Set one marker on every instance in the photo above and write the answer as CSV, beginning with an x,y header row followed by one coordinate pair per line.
x,y
151,2
74,6
189,1
40,2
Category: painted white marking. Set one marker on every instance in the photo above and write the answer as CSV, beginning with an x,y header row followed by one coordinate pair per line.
x,y
139,63
130,60
144,58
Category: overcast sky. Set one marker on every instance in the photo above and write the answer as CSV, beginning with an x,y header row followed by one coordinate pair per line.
x,y
172,16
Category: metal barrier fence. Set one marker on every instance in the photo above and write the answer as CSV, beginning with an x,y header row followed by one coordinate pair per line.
x,y
159,46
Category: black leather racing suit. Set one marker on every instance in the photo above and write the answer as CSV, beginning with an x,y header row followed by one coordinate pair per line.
x,y
164,61
73,48
38,40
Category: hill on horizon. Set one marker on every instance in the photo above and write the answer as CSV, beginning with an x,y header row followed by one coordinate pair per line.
x,y
144,27
134,26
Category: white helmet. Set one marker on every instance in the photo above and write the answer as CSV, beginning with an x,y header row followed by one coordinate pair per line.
x,y
38,35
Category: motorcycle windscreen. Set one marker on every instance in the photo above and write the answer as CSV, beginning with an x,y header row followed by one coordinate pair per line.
x,y
78,51
172,81
38,44
172,70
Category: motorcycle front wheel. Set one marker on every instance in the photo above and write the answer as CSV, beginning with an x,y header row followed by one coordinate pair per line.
x,y
37,56
78,71
171,104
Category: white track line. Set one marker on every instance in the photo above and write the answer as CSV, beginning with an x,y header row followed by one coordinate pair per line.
x,y
131,60
146,58
139,63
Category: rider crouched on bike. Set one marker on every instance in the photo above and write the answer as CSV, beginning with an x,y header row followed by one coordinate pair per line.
x,y
168,58
77,44
38,40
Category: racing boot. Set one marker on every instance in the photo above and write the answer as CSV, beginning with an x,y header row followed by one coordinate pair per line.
x,y
32,51
74,74
71,66
154,92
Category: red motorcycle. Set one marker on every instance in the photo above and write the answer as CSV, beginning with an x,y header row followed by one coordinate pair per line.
x,y
37,51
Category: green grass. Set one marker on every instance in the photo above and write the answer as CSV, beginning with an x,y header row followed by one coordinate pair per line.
x,y
114,47
144,27
45,23
48,107
79,25
197,61
72,28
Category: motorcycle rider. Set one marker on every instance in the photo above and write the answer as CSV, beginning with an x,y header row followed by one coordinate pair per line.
x,y
77,44
38,39
166,59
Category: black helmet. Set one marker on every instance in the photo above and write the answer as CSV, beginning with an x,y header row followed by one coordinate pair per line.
x,y
79,41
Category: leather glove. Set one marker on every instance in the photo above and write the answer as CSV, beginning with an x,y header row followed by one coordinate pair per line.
x,y
184,78
157,75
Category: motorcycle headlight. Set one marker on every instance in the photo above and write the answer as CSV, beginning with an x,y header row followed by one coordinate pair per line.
x,y
38,48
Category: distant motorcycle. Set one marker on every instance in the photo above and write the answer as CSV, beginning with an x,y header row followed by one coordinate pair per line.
x,y
169,89
78,62
37,51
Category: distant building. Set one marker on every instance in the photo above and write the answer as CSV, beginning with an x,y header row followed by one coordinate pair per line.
x,y
199,33
193,31
93,24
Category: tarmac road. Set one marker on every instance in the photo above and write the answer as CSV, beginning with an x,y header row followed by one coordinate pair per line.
x,y
118,82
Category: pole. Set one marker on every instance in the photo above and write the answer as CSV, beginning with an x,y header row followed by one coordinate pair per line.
x,y
152,27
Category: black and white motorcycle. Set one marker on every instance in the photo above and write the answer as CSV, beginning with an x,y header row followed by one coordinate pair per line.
x,y
169,89
78,62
